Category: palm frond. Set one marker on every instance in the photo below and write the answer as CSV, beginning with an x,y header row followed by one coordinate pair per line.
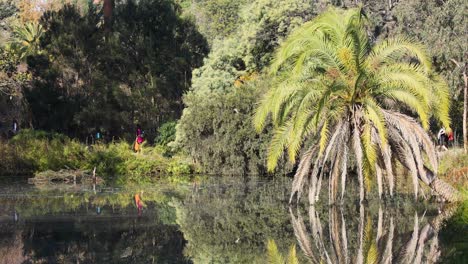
x,y
278,144
302,236
301,172
378,173
292,257
344,170
410,247
413,102
387,256
393,49
440,100
374,114
274,257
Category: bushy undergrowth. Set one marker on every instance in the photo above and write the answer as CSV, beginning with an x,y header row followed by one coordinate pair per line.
x,y
34,151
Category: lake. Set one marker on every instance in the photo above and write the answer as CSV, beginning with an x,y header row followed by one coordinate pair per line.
x,y
220,220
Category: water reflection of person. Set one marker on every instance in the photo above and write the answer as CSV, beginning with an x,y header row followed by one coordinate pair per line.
x,y
139,203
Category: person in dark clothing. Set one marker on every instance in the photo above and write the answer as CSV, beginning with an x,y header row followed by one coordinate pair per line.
x,y
442,139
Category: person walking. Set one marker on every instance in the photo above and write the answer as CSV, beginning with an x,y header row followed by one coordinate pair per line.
x,y
139,139
442,139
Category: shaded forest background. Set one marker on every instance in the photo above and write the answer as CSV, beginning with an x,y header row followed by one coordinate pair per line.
x,y
199,63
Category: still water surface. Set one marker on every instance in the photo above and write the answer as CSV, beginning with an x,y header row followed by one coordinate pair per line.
x,y
223,220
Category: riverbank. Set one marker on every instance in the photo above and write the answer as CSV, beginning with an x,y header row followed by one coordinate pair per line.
x,y
32,151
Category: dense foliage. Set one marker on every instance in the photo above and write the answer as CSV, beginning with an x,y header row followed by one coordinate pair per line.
x,y
77,76
114,162
217,132
262,25
86,78
215,127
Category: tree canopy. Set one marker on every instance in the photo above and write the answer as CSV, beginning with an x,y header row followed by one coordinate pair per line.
x,y
86,79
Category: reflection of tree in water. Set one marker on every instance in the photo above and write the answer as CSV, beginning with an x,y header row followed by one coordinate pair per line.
x,y
391,239
64,227
112,241
39,202
230,222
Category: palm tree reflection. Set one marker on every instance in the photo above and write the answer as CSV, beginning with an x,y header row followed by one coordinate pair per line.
x,y
412,242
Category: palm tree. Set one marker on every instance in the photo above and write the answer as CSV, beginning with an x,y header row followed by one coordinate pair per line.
x,y
26,39
339,93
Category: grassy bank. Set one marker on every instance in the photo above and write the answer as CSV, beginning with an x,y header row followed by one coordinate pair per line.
x,y
453,168
35,151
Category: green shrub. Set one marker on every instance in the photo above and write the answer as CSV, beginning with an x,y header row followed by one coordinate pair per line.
x,y
35,151
40,151
108,160
166,135
216,131
178,167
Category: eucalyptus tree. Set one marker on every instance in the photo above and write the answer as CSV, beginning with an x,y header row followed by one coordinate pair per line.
x,y
339,97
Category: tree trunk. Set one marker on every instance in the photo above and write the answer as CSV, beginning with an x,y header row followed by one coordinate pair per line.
x,y
465,109
445,190
108,7
465,103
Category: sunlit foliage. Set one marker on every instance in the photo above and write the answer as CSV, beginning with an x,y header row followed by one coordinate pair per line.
x,y
343,92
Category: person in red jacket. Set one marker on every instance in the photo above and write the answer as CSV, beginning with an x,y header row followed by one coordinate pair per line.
x,y
450,138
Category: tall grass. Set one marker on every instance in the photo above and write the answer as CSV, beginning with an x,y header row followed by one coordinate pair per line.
x,y
453,167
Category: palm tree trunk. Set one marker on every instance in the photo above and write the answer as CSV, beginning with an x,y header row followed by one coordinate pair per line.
x,y
445,190
442,188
